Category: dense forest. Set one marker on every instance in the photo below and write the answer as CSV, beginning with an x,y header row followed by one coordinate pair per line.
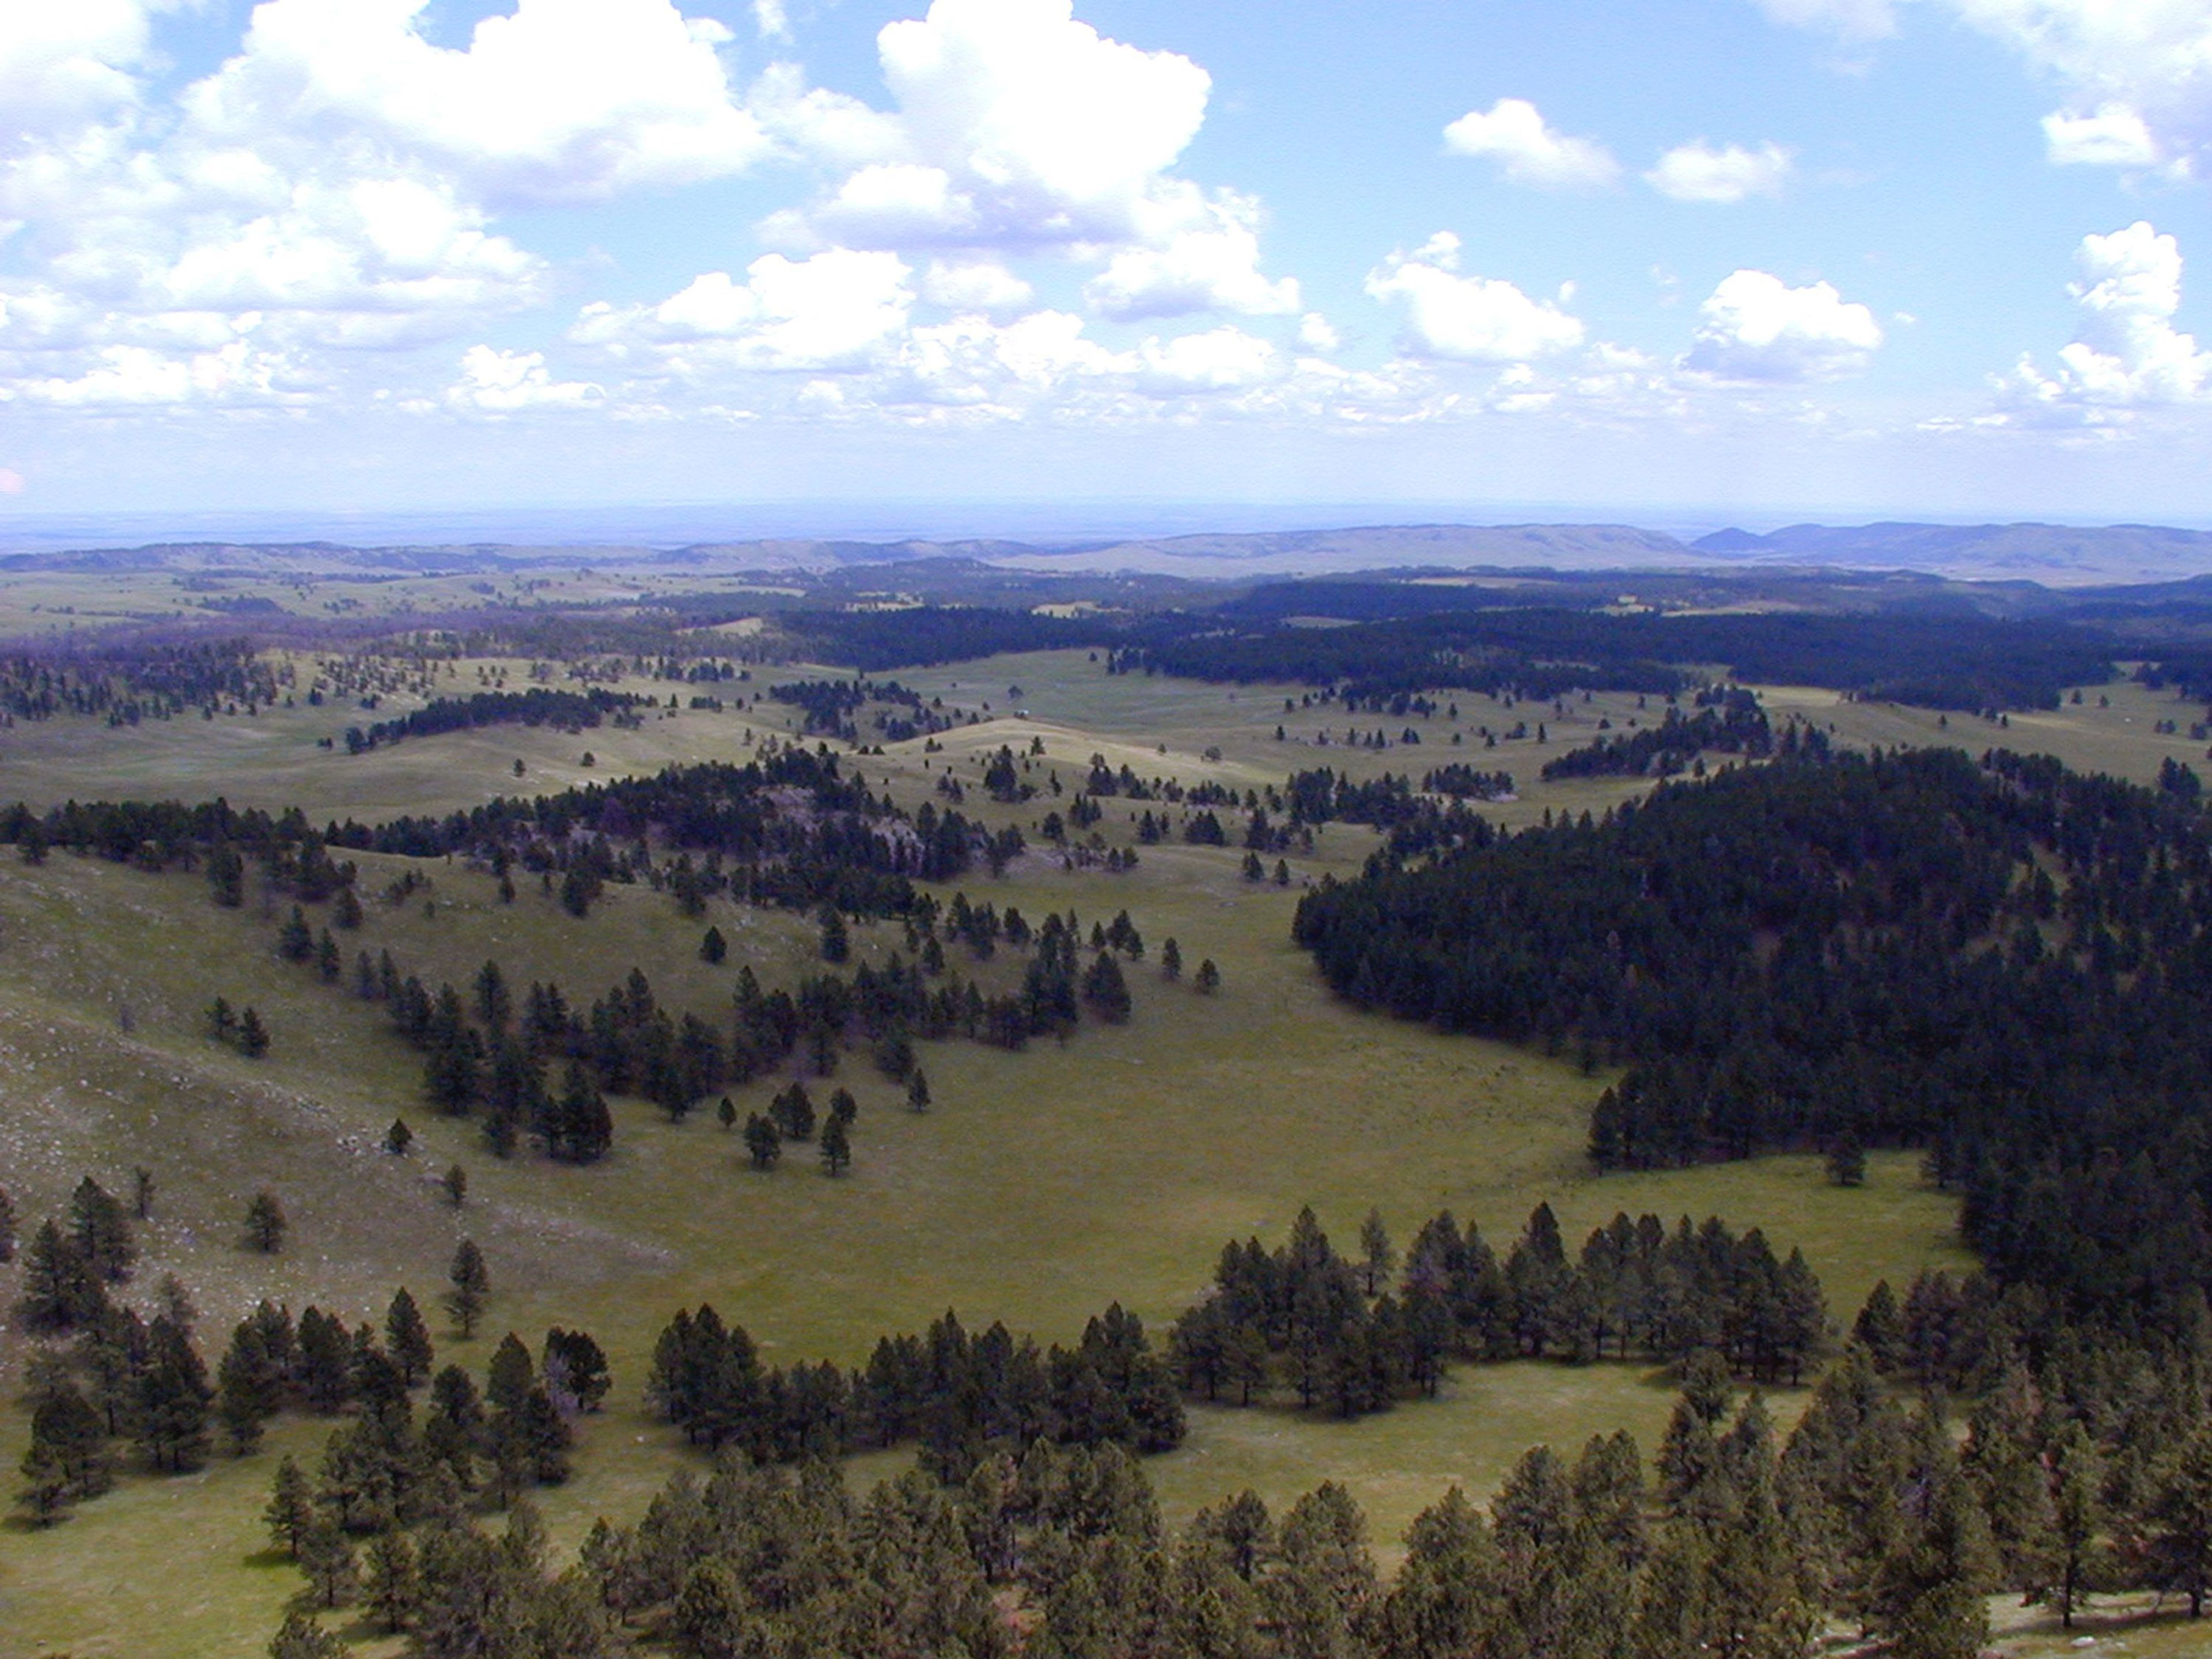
x,y
2006,963
1943,663
574,711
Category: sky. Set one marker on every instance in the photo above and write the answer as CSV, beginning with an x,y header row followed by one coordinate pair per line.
x,y
1749,259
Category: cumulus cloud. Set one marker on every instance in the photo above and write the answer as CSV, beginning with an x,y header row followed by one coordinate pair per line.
x,y
2113,136
982,286
1696,172
557,101
2126,353
1754,327
132,377
1211,266
1514,134
1467,318
62,63
494,382
836,308
1019,130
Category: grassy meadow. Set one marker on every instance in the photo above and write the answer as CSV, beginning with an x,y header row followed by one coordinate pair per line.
x,y
1042,1186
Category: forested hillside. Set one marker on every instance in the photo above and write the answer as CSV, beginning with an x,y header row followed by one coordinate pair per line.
x,y
2008,964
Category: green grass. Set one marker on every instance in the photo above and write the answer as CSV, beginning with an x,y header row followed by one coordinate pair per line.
x,y
1043,1186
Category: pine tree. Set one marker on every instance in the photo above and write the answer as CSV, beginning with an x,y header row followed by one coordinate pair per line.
x,y
471,1287
2181,1513
173,1400
714,948
456,1183
253,1035
1207,979
247,1384
917,1091
67,1461
407,1338
1170,961
1106,991
725,1113
101,1230
295,941
327,1560
836,942
1377,1257
60,1293
265,1224
836,1146
291,1513
763,1141
398,1138
390,1584
6,1228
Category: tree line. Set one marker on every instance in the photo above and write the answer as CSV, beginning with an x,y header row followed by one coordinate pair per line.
x,y
1305,1320
573,711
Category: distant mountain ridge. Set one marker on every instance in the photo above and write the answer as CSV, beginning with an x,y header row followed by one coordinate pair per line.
x,y
2062,555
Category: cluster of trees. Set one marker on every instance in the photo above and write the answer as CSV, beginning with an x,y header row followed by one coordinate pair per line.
x,y
1464,782
1328,1328
1728,721
105,1373
831,706
1733,1539
921,635
126,678
573,711
841,846
1942,662
490,1055
961,1397
2006,963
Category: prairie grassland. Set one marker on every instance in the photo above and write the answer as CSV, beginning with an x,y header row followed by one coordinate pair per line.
x,y
1042,1186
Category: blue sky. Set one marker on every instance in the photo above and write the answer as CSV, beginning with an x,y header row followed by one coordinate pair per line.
x,y
1754,259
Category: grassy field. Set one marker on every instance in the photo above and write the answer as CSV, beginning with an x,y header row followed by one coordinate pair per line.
x,y
1045,1184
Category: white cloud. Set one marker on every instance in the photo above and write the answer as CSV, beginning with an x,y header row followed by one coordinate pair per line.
x,y
1467,318
1316,334
557,101
1754,327
501,382
2114,136
127,377
2153,57
64,62
1696,171
1019,130
1210,267
1219,360
841,307
1513,134
984,286
770,20
2126,353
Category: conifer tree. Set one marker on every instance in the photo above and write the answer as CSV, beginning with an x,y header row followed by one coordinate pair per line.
x,y
471,1287
836,1146
299,1636
1207,979
6,1228
763,1141
265,1223
917,1091
100,1228
407,1338
60,1293
253,1035
291,1512
173,1400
